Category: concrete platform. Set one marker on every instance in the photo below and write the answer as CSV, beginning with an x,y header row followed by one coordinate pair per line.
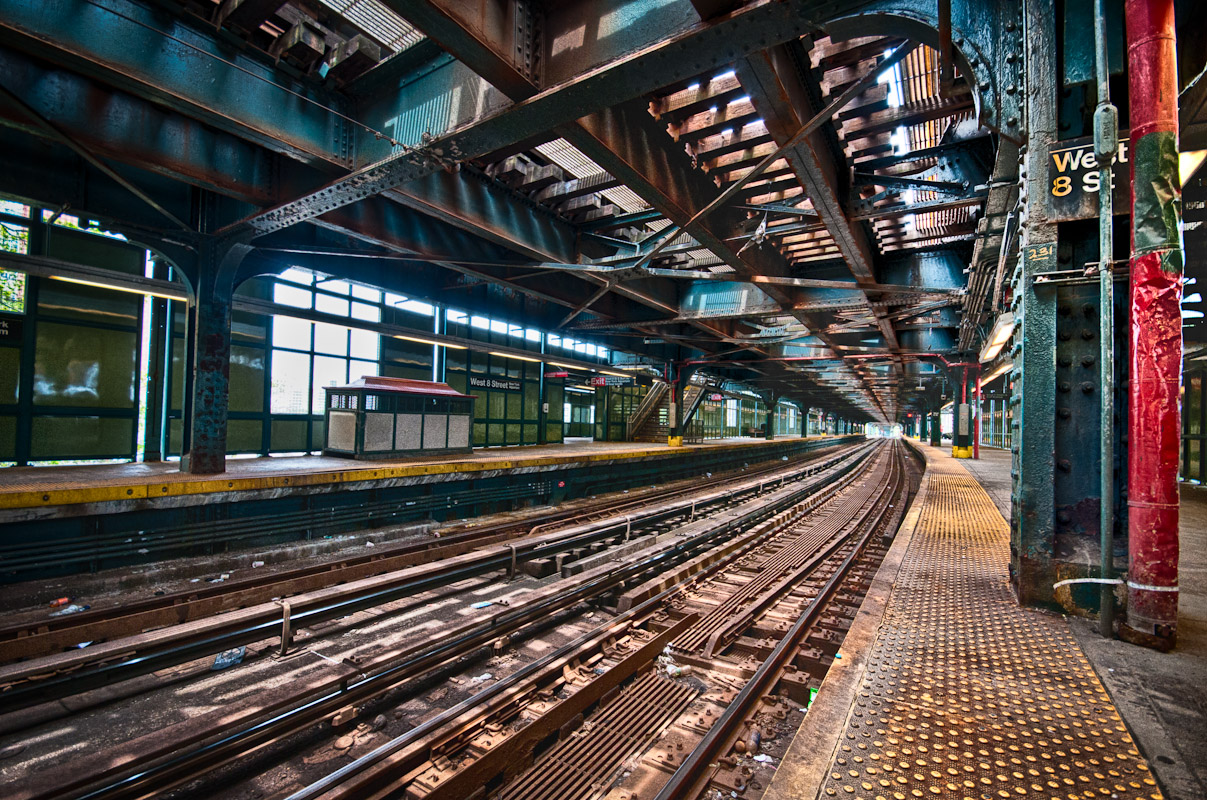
x,y
42,487
946,688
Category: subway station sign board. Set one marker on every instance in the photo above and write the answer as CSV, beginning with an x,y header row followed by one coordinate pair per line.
x,y
1073,179
610,380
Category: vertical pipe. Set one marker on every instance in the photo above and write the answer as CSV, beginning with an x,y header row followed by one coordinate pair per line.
x,y
1154,424
1106,145
976,431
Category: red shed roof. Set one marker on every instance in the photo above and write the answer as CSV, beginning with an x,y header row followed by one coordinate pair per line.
x,y
401,386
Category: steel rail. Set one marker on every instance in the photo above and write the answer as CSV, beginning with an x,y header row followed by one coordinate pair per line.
x,y
369,776
71,673
686,780
256,732
34,638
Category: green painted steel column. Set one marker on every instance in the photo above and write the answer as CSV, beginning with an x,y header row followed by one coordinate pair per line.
x,y
1032,535
217,262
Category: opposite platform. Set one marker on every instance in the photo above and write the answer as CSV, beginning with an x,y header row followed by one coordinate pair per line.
x,y
947,688
44,487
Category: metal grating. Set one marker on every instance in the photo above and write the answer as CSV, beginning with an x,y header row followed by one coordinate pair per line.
x,y
378,21
966,695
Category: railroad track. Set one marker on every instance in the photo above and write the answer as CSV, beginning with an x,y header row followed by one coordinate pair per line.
x,y
699,549
584,763
33,638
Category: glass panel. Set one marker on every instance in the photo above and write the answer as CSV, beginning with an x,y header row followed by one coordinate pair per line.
x,y
247,380
529,434
495,435
291,332
287,295
82,437
366,344
290,382
78,366
330,339
359,369
249,327
76,301
337,287
513,406
512,434
531,391
331,305
366,293
496,404
243,435
10,372
8,438
366,312
288,435
296,275
87,248
327,372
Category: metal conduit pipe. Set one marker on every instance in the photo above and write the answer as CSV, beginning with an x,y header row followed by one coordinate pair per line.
x,y
1154,415
1106,145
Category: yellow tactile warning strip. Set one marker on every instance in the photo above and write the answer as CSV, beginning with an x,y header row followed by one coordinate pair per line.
x,y
43,487
968,696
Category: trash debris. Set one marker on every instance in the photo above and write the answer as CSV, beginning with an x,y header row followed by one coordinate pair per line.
x,y
255,564
763,758
142,551
483,678
838,655
784,458
82,645
483,604
676,671
71,609
160,592
62,601
378,723
194,580
369,544
228,658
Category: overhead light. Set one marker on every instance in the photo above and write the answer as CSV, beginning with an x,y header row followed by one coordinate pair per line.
x,y
181,296
615,374
564,366
1003,329
512,355
429,341
1005,366
1189,163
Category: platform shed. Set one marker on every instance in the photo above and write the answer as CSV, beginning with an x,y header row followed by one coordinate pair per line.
x,y
377,417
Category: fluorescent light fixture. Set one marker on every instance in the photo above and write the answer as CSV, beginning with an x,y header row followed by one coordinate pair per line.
x,y
615,374
131,289
428,341
563,366
1005,366
1189,163
1003,329
512,355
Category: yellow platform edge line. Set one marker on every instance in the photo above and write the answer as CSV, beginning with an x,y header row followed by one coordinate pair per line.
x,y
103,494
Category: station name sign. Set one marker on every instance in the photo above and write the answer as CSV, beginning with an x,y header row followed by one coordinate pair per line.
x,y
503,384
1073,179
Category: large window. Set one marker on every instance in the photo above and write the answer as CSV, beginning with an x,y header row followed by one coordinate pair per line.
x,y
308,356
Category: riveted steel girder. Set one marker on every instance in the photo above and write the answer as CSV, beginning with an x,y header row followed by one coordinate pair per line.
x,y
628,72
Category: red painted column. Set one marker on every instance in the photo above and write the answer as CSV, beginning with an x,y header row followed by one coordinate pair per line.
x,y
1154,415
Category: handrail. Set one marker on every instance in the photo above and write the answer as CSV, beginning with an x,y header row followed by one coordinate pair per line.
x,y
653,398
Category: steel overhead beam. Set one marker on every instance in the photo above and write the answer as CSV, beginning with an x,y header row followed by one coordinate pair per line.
x,y
699,47
771,78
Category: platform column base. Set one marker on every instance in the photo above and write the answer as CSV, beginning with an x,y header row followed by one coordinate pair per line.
x,y
674,441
